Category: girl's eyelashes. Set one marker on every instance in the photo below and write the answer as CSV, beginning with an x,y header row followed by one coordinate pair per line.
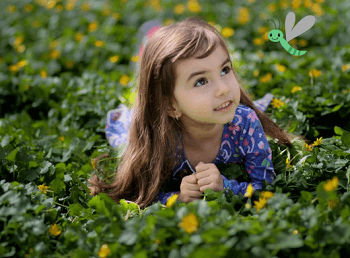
x,y
202,78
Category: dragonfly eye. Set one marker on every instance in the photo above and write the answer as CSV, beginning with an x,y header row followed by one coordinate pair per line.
x,y
270,34
278,34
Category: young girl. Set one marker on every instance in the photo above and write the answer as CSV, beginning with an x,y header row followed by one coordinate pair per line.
x,y
190,114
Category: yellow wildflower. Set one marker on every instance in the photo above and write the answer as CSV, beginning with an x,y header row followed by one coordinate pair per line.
x,y
114,59
277,103
99,43
345,67
193,6
43,73
256,73
22,63
243,15
61,138
13,68
168,22
307,3
296,88
124,80
295,232
179,9
116,16
70,5
104,251
85,7
55,54
43,188
36,23
157,241
79,36
302,42
28,8
189,223
171,200
317,9
258,41
53,44
227,32
260,204
308,147
315,73
54,230
266,194
284,4
317,142
249,192
92,26
266,78
280,68
319,1
296,4
262,30
135,58
331,184
11,9
106,11
18,41
59,8
272,7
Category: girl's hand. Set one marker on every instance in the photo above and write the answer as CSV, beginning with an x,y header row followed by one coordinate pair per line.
x,y
209,176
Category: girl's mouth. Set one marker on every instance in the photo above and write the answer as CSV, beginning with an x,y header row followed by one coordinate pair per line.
x,y
224,108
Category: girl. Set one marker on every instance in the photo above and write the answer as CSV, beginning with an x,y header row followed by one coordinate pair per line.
x,y
190,114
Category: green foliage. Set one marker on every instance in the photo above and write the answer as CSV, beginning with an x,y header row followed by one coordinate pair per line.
x,y
56,89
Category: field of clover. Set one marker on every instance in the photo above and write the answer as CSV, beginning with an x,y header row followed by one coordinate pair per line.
x,y
65,63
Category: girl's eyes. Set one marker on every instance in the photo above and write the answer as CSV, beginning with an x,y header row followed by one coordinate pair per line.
x,y
201,79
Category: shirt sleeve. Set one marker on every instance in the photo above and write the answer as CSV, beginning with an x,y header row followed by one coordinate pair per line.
x,y
257,156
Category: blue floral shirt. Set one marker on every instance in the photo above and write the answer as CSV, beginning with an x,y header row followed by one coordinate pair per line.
x,y
243,141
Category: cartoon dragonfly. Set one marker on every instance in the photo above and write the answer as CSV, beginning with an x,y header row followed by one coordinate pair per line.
x,y
303,25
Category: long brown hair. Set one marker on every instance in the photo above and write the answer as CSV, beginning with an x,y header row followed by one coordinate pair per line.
x,y
149,157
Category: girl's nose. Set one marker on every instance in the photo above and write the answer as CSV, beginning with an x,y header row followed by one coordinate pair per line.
x,y
223,88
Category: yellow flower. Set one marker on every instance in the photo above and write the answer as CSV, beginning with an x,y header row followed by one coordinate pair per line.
x,y
20,48
266,78
280,68
277,103
317,9
308,147
171,200
155,5
307,3
345,67
61,138
28,8
114,59
331,184
55,54
256,73
43,73
157,241
99,43
70,5
124,80
266,194
106,11
93,26
317,142
104,251
18,41
85,7
53,44
168,21
262,30
189,223
295,232
59,8
319,1
258,41
296,4
249,192
93,163
315,73
296,88
243,15
135,58
79,36
22,63
11,9
13,68
271,7
284,4
54,230
179,9
43,188
193,6
302,42
260,204
227,32
116,16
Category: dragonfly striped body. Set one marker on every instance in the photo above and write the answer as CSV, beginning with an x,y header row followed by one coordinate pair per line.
x,y
290,49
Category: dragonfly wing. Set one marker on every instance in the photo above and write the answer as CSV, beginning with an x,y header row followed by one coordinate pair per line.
x,y
289,23
303,25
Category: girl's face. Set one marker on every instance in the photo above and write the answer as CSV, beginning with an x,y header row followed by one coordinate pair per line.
x,y
202,85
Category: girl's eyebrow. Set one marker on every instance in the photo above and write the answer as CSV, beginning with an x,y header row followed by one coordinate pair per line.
x,y
201,72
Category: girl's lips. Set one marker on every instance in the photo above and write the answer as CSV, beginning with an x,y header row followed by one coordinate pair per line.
x,y
225,108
